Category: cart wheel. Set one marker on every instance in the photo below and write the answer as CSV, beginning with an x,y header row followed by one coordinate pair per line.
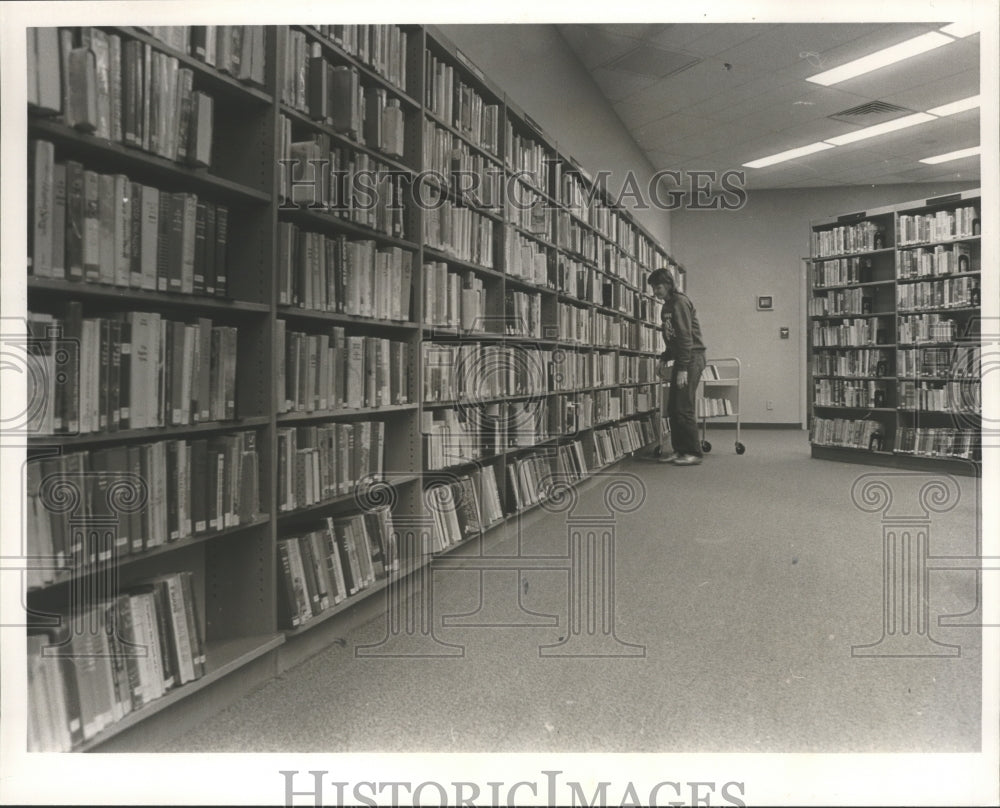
x,y
706,446
740,448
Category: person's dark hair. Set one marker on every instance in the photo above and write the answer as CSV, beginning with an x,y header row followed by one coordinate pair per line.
x,y
661,275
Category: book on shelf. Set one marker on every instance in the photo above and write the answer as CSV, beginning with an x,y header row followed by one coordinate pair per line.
x,y
190,488
318,463
107,229
133,370
118,655
339,371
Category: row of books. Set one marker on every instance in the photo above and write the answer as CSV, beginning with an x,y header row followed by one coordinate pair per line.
x,y
940,226
383,48
641,337
529,210
860,332
471,175
179,488
130,370
614,442
843,393
475,431
842,301
234,49
460,105
842,271
963,397
104,228
570,414
320,463
860,237
334,95
579,280
453,437
481,371
112,659
458,231
861,433
127,92
335,371
713,407
940,362
588,327
648,254
939,442
591,247
943,293
939,261
525,258
527,157
932,327
457,299
347,276
340,181
862,362
458,511
586,204
523,313
322,568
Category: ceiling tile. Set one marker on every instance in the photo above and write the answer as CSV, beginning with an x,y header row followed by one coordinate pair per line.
x,y
709,117
593,45
635,30
913,72
724,36
617,85
937,92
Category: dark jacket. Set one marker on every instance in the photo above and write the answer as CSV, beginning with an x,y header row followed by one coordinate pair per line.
x,y
681,330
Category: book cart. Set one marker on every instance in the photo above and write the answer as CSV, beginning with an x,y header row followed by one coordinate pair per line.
x,y
719,396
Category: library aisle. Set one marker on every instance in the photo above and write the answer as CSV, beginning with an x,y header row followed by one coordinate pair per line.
x,y
748,600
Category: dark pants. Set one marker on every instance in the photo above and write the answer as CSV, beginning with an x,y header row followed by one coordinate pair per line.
x,y
680,408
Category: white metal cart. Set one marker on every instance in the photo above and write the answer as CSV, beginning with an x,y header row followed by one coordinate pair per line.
x,y
719,396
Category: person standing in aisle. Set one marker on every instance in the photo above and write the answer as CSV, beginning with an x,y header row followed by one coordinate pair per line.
x,y
682,338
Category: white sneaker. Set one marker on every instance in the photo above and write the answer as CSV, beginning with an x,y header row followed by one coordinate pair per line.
x,y
687,460
668,458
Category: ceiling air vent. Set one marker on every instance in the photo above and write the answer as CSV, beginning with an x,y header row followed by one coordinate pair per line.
x,y
656,63
872,113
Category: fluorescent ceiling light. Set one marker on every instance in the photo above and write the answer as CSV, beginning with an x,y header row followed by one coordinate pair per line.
x,y
955,155
961,29
791,154
888,56
881,129
955,106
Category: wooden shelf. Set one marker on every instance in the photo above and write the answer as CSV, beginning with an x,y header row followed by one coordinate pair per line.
x,y
128,158
120,296
221,659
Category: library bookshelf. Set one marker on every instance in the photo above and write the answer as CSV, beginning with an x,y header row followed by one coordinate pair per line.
x,y
310,305
895,333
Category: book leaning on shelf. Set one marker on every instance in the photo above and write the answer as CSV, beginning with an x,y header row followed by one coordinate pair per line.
x,y
191,488
319,463
340,371
120,655
122,90
132,370
107,229
341,181
321,568
332,273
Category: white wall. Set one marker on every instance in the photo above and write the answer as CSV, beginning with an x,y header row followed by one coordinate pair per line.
x,y
733,256
539,71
